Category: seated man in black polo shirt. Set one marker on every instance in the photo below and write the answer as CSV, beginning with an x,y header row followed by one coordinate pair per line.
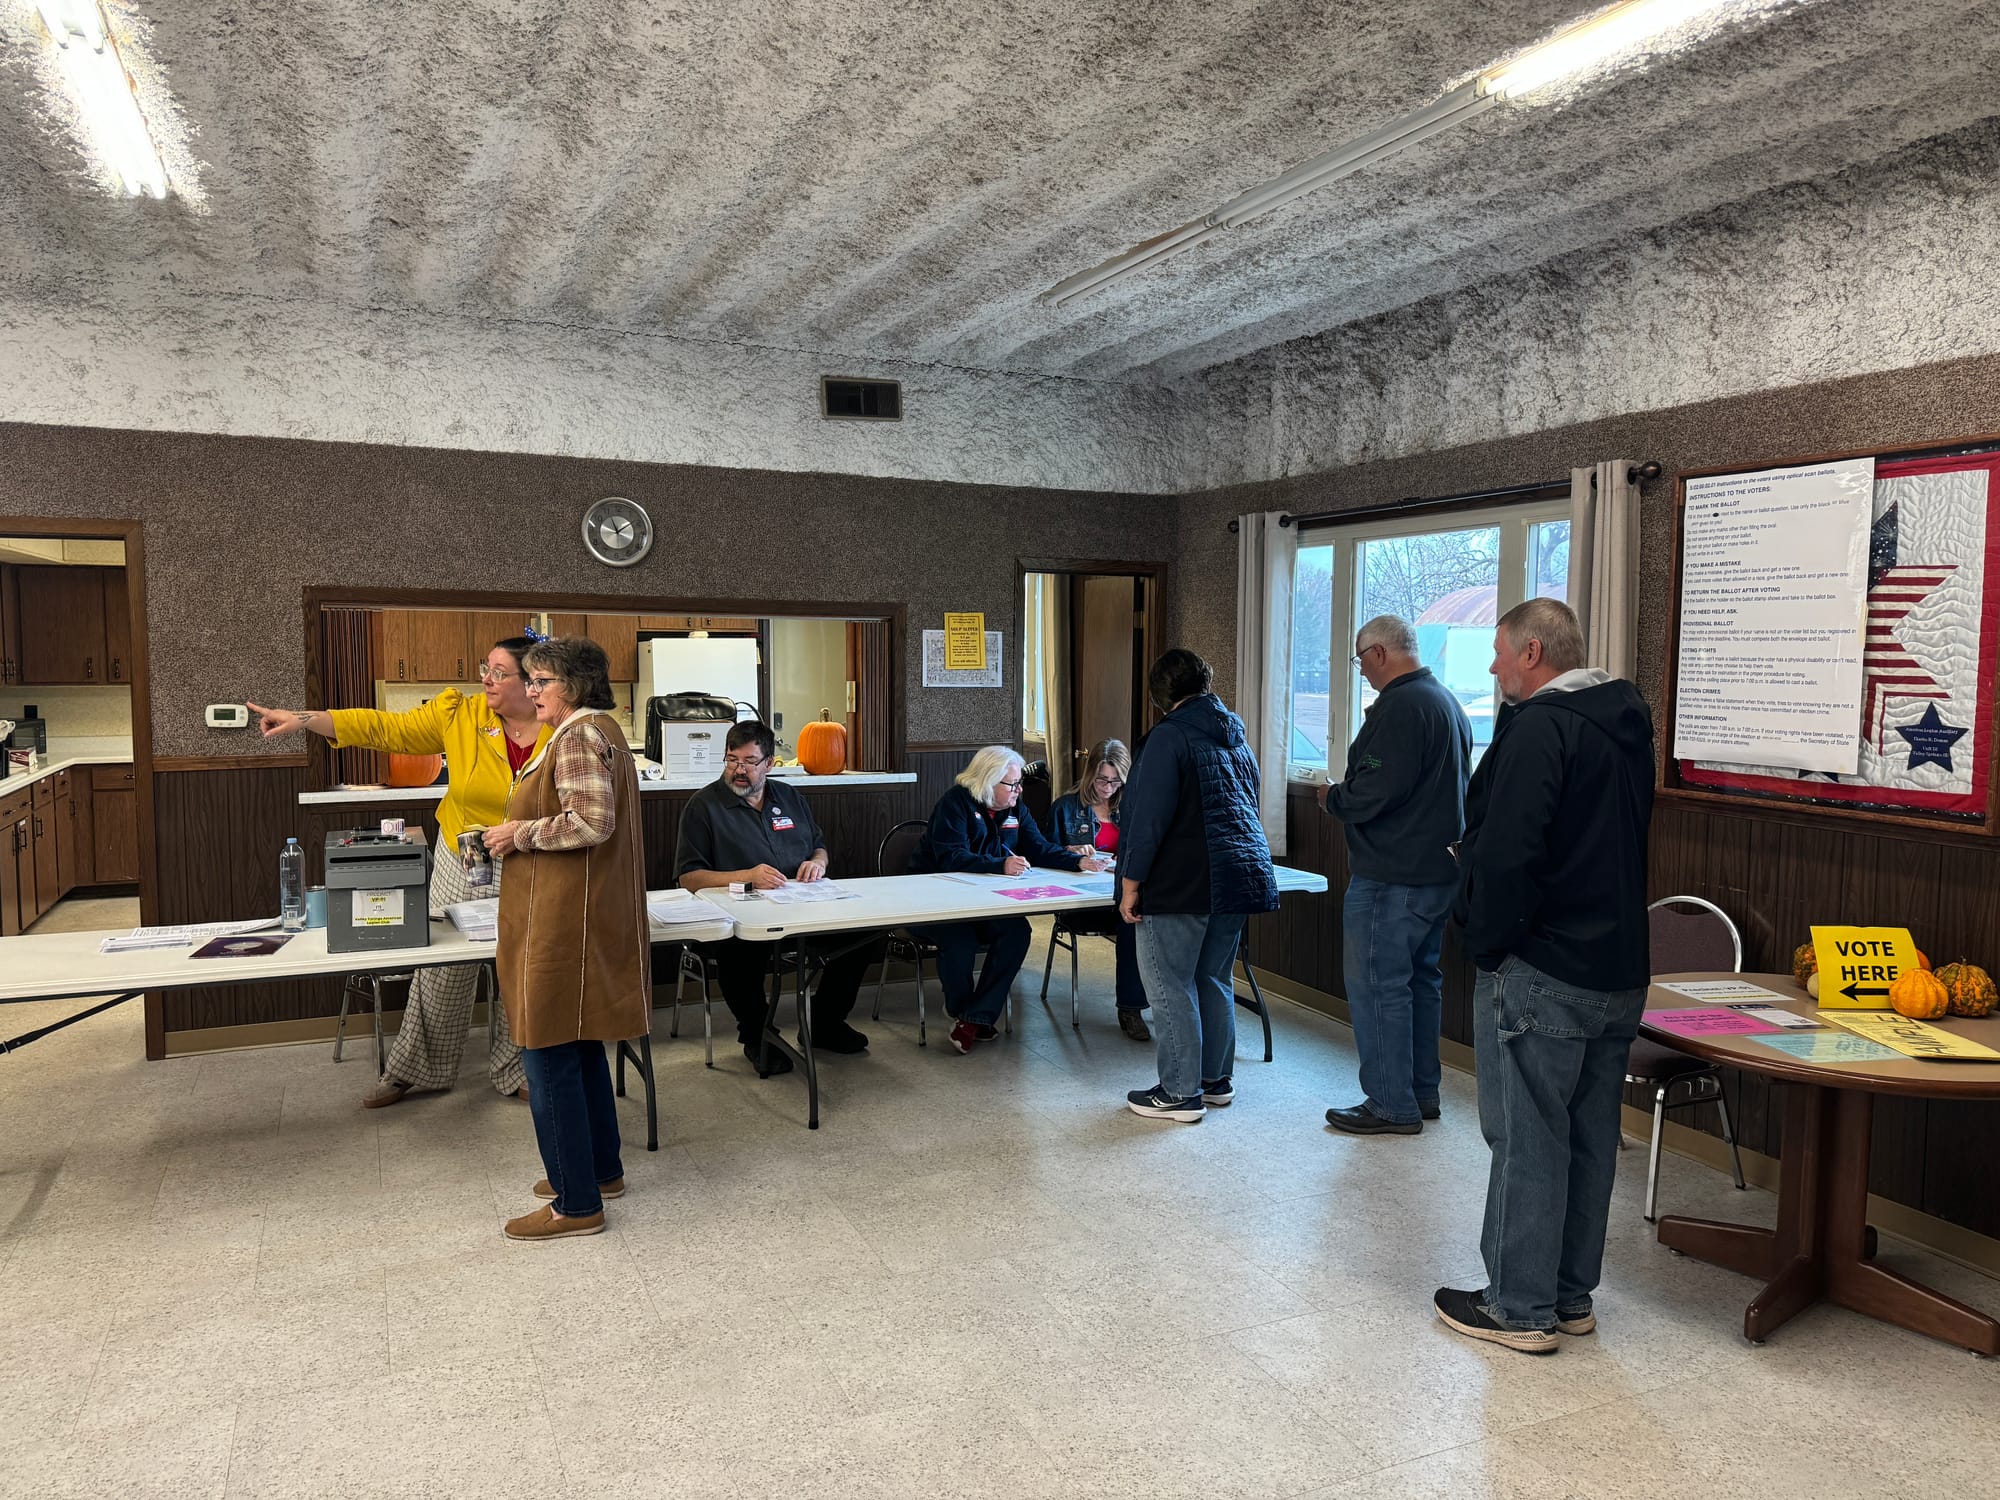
x,y
744,827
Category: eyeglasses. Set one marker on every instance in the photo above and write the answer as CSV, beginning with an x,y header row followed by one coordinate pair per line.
x,y
738,763
537,684
1110,778
496,674
1362,654
1011,786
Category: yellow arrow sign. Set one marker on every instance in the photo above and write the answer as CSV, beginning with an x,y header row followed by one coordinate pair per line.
x,y
1858,964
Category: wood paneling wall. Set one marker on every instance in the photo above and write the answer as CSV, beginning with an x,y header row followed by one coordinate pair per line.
x,y
1775,876
220,832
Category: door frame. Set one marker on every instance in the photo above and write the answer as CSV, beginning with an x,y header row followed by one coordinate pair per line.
x,y
132,534
1159,573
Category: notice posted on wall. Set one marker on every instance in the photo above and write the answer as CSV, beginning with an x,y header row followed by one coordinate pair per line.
x,y
1774,591
938,675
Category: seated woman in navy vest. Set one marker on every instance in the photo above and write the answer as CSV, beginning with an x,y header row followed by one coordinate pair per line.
x,y
978,828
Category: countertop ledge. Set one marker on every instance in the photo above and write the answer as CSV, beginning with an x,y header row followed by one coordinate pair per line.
x,y
404,795
63,754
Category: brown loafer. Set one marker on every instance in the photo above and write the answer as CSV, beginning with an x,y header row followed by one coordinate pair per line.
x,y
387,1091
615,1188
543,1224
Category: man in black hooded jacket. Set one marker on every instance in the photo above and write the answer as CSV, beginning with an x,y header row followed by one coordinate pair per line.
x,y
1553,905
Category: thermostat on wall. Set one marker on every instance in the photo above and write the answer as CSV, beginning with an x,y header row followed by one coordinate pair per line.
x,y
228,716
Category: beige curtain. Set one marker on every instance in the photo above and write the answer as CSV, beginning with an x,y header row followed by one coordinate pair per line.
x,y
1047,666
1266,555
1604,564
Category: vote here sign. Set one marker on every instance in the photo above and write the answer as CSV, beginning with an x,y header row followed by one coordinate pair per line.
x,y
1858,964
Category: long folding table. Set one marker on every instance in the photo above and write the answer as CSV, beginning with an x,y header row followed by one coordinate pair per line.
x,y
878,903
70,966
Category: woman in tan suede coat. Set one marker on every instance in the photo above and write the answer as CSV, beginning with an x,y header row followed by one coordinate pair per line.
x,y
574,950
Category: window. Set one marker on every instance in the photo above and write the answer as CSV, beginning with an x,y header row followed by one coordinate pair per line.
x,y
1451,576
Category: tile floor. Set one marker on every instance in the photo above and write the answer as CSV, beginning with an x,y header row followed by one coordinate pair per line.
x,y
981,1277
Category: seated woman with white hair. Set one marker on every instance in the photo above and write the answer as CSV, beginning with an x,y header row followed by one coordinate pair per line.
x,y
978,828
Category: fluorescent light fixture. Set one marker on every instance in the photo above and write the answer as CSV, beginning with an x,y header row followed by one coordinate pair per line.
x,y
102,91
1576,49
1591,42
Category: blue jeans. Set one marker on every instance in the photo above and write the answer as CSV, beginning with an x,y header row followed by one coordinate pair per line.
x,y
1392,936
576,1122
1551,1063
1006,940
1188,963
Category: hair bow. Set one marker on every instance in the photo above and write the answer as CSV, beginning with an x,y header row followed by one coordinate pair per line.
x,y
535,635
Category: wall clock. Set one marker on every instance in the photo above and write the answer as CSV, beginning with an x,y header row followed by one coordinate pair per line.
x,y
617,532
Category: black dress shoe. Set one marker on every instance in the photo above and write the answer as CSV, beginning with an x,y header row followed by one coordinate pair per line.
x,y
1361,1120
840,1037
1428,1111
779,1062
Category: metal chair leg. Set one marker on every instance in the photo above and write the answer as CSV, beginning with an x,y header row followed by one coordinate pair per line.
x,y
381,1048
340,1025
1075,1021
652,1097
1653,1156
882,978
1729,1135
680,982
707,1021
1049,965
920,1002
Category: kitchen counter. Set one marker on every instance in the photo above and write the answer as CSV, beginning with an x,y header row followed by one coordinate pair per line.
x,y
106,750
402,796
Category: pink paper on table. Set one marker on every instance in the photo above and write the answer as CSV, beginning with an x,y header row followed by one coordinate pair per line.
x,y
1708,1023
1035,892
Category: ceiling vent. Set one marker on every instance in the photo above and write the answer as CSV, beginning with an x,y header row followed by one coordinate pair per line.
x,y
861,400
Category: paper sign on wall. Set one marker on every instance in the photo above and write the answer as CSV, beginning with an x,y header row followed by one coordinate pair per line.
x,y
965,642
938,675
1858,964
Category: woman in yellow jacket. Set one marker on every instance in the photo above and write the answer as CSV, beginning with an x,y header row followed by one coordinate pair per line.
x,y
484,741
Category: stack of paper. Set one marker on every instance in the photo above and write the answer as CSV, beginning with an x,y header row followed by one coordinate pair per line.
x,y
805,893
187,936
478,920
678,908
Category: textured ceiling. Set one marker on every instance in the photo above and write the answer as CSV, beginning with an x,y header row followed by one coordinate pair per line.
x,y
899,179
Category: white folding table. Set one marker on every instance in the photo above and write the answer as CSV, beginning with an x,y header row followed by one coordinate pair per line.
x,y
877,903
69,966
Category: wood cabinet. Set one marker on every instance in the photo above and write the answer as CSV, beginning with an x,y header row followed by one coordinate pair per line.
x,y
48,868
80,867
489,626
619,636
389,644
114,833
63,823
439,645
17,862
117,625
714,624
10,628
62,625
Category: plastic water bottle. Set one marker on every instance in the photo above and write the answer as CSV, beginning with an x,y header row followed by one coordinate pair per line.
x,y
292,887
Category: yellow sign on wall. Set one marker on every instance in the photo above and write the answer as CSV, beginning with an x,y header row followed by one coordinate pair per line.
x,y
965,642
1858,964
1916,1039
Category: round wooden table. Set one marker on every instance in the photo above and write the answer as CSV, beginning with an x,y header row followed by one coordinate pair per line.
x,y
1823,1249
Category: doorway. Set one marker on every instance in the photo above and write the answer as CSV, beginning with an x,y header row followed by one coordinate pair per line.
x,y
1088,633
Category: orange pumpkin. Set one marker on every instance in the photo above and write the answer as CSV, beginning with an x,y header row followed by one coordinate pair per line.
x,y
1923,959
1919,995
414,770
823,746
1970,989
1805,963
